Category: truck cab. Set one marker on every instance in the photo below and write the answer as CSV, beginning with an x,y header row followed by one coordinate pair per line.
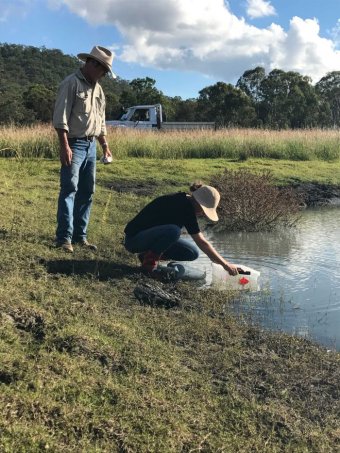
x,y
152,117
139,116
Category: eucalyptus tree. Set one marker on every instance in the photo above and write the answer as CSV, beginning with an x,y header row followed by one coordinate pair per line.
x,y
113,108
329,90
288,100
178,109
239,108
250,83
145,91
227,105
211,102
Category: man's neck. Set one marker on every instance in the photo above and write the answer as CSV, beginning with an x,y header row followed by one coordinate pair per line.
x,y
87,76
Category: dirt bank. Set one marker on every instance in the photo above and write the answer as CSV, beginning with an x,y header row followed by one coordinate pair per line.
x,y
316,194
312,193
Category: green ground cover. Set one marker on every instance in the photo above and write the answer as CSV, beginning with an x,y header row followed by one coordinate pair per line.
x,y
86,368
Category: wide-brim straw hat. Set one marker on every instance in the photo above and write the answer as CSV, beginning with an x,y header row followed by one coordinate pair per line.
x,y
102,55
208,198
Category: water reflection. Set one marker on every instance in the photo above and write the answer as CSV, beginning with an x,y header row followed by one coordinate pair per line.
x,y
300,275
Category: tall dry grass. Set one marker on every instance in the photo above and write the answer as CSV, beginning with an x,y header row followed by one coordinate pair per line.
x,y
227,143
28,141
240,144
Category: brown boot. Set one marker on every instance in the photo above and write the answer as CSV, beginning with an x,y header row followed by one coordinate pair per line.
x,y
66,246
86,245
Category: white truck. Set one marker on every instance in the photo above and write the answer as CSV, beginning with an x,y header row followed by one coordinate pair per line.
x,y
151,117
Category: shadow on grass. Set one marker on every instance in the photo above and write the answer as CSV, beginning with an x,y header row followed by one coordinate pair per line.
x,y
102,270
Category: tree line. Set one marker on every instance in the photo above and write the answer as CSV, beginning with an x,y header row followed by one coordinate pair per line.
x,y
29,78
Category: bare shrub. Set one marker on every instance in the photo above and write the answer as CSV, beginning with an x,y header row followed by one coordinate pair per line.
x,y
251,202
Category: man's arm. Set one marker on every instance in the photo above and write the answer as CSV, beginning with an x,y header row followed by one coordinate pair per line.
x,y
65,151
102,137
105,146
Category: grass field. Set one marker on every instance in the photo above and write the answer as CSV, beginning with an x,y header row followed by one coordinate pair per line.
x,y
86,368
239,144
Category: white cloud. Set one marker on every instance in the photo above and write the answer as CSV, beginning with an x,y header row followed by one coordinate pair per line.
x,y
208,38
260,8
305,51
9,8
335,33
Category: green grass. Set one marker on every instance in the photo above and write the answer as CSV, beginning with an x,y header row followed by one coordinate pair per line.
x,y
184,171
86,368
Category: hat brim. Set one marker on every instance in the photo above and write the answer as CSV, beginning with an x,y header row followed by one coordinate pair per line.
x,y
210,213
85,56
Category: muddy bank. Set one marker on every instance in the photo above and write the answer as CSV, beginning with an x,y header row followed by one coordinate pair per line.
x,y
316,194
312,194
141,188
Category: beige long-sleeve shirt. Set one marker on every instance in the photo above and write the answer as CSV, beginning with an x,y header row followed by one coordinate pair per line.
x,y
80,107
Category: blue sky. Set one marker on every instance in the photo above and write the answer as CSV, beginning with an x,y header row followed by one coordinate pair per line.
x,y
185,45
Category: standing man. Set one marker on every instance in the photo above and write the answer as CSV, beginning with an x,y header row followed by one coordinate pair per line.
x,y
79,119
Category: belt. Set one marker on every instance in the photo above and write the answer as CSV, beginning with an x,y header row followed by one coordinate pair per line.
x,y
87,138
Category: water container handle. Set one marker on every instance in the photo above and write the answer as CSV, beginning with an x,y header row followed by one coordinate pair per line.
x,y
242,272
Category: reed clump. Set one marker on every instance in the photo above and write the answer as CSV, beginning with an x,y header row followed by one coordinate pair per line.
x,y
251,202
239,144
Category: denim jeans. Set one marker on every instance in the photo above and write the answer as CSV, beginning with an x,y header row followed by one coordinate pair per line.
x,y
77,185
163,240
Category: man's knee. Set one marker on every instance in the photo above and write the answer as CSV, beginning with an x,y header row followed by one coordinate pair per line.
x,y
87,187
68,187
69,180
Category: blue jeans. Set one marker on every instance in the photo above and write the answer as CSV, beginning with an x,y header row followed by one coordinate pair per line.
x,y
162,240
77,185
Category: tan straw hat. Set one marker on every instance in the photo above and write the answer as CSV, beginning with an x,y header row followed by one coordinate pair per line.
x,y
208,198
104,56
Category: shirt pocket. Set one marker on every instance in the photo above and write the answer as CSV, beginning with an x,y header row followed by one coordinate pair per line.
x,y
82,103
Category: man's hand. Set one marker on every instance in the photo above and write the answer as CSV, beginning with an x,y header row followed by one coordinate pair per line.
x,y
107,156
106,152
65,155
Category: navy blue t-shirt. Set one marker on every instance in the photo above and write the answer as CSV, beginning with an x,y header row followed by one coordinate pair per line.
x,y
173,209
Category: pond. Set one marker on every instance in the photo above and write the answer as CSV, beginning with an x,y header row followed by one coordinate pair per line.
x,y
300,275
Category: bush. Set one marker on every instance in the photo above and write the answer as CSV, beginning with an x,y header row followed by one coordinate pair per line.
x,y
251,202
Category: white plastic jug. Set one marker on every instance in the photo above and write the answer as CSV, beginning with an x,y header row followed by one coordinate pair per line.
x,y
248,279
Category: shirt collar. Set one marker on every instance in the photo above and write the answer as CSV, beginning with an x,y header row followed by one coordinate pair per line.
x,y
81,76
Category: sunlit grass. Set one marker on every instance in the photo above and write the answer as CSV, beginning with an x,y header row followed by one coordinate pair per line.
x,y
29,141
86,368
239,144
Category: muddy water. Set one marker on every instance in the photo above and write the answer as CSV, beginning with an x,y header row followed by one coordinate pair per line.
x,y
300,275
